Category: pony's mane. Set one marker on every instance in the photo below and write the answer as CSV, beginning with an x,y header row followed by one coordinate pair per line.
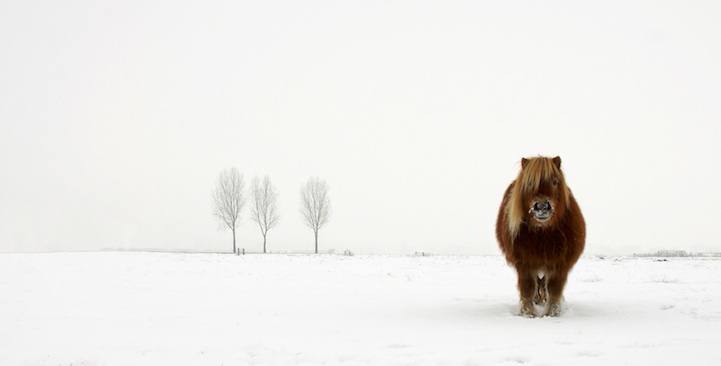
x,y
534,171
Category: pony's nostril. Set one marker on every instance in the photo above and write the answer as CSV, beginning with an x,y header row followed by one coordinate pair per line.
x,y
542,206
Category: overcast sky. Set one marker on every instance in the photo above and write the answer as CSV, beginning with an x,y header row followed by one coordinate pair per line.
x,y
117,117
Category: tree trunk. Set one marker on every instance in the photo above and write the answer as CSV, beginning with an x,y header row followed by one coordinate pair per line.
x,y
316,242
234,250
263,244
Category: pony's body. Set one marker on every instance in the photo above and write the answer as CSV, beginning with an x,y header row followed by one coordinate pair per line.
x,y
541,231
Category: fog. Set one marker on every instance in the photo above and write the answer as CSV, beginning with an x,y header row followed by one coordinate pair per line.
x,y
116,119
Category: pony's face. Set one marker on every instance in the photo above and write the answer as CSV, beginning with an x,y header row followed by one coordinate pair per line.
x,y
543,203
539,197
543,192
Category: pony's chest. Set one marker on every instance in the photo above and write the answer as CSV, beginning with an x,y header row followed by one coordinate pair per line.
x,y
541,240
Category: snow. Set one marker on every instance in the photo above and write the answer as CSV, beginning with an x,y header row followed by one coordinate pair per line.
x,y
215,309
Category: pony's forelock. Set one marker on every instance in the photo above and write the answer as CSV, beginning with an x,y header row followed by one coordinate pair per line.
x,y
534,172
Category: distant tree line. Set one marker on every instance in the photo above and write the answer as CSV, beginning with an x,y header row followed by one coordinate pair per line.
x,y
229,198
677,253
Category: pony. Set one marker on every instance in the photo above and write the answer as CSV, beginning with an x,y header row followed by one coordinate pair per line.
x,y
541,232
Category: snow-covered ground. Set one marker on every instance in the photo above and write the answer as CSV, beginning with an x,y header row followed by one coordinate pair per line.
x,y
213,309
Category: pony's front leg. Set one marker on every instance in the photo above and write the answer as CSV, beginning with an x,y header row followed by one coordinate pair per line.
x,y
541,295
556,283
527,283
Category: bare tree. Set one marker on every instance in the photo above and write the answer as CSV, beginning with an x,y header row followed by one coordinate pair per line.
x,y
265,205
315,205
229,199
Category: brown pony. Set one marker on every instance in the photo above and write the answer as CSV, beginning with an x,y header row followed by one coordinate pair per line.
x,y
542,233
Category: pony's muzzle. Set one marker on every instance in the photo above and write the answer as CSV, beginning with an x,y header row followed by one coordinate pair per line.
x,y
541,210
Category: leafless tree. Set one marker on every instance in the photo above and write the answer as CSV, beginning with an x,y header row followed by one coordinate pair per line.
x,y
264,206
229,199
315,205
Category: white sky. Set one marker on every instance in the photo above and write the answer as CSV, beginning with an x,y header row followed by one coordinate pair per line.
x,y
116,118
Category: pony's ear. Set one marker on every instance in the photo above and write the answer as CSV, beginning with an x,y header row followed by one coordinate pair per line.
x,y
557,161
524,162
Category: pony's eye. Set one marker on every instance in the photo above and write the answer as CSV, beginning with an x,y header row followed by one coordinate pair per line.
x,y
555,181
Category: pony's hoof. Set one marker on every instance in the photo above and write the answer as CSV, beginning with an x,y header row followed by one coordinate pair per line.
x,y
554,309
528,311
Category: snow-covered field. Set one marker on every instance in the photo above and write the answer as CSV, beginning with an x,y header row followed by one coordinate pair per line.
x,y
213,309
